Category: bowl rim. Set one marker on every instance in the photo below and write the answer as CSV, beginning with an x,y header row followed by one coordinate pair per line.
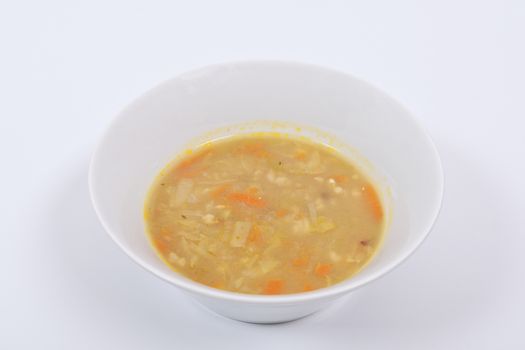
x,y
323,293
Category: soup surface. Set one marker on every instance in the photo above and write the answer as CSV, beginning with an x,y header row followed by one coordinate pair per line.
x,y
264,214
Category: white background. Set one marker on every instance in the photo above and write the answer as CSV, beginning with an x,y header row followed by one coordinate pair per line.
x,y
67,67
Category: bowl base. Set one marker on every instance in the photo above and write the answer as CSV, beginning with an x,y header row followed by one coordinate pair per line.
x,y
260,313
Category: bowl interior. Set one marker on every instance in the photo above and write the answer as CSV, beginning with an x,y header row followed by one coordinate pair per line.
x,y
157,126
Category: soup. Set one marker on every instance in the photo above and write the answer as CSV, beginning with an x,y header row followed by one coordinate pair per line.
x,y
264,214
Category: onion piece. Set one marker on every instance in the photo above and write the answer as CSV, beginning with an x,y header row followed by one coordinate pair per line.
x,y
174,258
184,188
240,233
323,224
313,212
268,265
301,226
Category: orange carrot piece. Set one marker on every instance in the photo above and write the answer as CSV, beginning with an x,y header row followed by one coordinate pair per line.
x,y
249,200
186,168
161,246
323,269
300,261
281,213
300,155
340,179
373,200
255,149
189,172
255,234
216,284
191,161
220,191
274,287
308,287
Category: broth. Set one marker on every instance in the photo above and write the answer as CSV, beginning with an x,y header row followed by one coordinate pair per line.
x,y
264,214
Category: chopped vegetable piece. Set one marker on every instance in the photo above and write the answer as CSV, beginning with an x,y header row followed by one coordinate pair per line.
x,y
268,265
334,256
301,226
192,236
300,154
360,254
277,179
191,161
323,224
220,191
217,284
174,258
340,179
209,219
183,191
193,261
190,173
314,164
252,261
238,282
300,261
313,212
281,213
249,200
281,181
323,269
356,193
255,149
274,287
240,233
373,201
255,234
161,246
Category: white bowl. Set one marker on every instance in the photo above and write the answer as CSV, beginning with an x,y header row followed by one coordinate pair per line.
x,y
144,137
